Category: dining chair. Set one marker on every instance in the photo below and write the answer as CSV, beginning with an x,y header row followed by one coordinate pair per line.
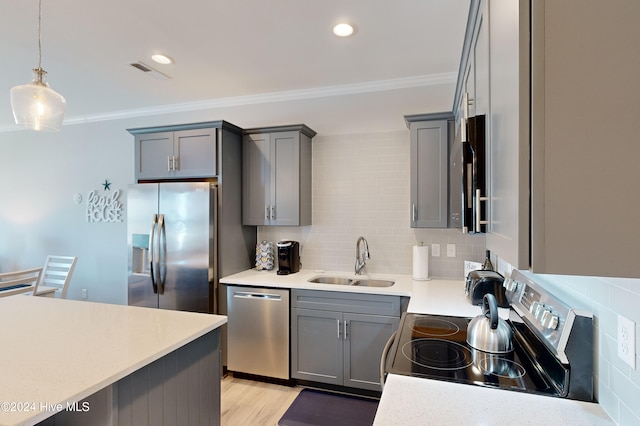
x,y
57,273
28,279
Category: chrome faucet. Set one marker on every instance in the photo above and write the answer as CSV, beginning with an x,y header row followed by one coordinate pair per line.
x,y
361,256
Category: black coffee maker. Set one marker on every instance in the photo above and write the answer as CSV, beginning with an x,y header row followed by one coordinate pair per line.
x,y
288,257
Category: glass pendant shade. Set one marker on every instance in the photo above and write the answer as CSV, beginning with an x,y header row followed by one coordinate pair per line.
x,y
36,106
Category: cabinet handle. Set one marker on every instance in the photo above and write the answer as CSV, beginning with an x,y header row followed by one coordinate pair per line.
x,y
266,212
176,160
168,163
414,213
273,212
345,334
338,329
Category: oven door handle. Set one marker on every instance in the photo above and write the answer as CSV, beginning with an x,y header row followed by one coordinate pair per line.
x,y
383,359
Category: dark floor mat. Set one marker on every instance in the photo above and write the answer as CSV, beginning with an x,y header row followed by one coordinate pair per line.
x,y
318,408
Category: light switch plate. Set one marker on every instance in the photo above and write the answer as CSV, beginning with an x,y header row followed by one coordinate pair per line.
x,y
627,341
435,250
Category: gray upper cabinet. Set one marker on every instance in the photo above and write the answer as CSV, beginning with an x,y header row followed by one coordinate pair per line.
x,y
184,151
472,94
562,145
176,154
429,169
585,150
277,176
509,141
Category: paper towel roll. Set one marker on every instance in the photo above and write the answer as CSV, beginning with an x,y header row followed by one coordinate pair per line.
x,y
421,263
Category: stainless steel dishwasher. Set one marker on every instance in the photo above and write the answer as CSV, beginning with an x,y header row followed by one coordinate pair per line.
x,y
258,331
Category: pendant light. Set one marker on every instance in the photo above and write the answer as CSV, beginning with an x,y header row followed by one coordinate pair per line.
x,y
35,105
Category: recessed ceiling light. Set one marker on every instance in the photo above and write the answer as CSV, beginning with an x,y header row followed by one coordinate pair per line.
x,y
343,30
162,59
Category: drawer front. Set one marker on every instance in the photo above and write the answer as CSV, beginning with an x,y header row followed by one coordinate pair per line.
x,y
357,303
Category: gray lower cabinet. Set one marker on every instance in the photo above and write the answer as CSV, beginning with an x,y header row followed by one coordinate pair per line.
x,y
276,185
340,340
429,168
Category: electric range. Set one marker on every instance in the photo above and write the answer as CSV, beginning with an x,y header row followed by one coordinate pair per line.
x,y
553,347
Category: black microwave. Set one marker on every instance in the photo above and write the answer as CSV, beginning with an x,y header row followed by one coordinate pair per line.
x,y
468,172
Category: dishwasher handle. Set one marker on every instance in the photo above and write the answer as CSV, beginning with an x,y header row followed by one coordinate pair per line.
x,y
259,296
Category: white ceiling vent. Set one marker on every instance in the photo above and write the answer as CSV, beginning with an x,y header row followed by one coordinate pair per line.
x,y
149,70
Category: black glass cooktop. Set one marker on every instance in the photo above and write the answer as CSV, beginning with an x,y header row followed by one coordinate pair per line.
x,y
435,347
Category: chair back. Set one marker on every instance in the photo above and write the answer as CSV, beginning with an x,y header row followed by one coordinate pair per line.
x,y
57,272
27,278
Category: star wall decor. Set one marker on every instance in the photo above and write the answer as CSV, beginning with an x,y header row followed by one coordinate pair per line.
x,y
107,185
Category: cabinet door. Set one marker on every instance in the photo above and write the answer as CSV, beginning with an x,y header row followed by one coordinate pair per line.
x,y
585,205
366,336
195,153
285,178
479,88
256,182
429,174
508,148
316,345
153,155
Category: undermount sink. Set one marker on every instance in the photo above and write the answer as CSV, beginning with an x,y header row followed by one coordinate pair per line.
x,y
364,282
374,283
331,280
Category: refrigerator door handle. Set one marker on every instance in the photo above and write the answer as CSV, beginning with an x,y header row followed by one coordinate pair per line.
x,y
152,253
162,253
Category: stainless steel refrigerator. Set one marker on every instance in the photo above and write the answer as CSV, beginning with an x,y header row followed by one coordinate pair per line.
x,y
172,243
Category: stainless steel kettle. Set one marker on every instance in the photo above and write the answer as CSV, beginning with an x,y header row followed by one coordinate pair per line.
x,y
488,332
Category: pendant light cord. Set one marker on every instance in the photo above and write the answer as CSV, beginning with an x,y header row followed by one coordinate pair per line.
x,y
39,32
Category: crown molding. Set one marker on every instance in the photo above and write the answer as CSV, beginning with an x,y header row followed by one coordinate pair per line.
x,y
273,97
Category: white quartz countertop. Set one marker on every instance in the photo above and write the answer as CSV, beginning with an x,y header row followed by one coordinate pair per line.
x,y
57,351
253,277
408,401
435,296
412,401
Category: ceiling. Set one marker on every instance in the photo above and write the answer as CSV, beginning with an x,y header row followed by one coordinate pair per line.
x,y
235,54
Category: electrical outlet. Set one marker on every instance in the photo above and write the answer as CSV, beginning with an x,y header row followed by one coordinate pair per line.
x,y
435,250
627,341
471,266
84,294
451,250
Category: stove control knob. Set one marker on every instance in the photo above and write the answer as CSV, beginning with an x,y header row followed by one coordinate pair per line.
x,y
551,321
536,309
532,307
510,284
546,314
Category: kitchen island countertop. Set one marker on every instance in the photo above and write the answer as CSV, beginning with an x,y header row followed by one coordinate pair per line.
x,y
410,401
57,351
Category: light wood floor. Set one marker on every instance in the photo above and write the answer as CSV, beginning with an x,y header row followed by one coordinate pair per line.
x,y
251,403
